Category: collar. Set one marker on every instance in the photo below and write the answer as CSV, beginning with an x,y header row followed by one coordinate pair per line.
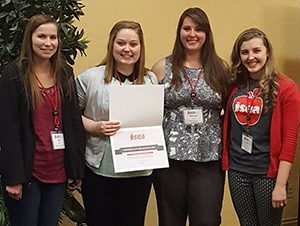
x,y
122,77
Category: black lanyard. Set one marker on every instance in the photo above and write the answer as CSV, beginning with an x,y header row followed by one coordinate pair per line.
x,y
249,106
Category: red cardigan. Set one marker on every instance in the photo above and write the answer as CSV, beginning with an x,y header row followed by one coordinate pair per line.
x,y
283,130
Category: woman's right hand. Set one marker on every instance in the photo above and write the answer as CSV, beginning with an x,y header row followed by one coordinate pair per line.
x,y
15,191
100,128
106,128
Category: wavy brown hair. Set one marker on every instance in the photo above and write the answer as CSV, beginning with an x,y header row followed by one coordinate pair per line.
x,y
25,61
216,69
109,61
268,83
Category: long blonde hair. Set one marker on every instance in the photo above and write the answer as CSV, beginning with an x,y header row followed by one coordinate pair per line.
x,y
139,67
269,80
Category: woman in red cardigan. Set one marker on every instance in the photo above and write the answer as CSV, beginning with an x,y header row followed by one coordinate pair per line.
x,y
260,131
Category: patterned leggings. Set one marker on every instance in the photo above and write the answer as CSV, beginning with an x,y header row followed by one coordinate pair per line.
x,y
252,199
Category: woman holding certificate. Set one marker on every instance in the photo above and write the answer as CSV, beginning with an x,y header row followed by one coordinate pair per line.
x,y
111,198
195,81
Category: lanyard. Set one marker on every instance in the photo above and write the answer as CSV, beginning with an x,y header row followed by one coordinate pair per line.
x,y
54,103
193,87
248,116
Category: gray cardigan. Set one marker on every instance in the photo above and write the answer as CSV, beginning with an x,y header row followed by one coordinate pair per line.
x,y
94,101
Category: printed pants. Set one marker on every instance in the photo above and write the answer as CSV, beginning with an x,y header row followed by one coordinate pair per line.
x,y
252,199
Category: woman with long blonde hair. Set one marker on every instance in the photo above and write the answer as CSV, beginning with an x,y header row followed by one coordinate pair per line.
x,y
260,131
112,198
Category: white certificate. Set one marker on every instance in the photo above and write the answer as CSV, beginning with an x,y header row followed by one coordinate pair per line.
x,y
139,144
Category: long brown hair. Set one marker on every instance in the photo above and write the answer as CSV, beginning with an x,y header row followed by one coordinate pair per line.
x,y
109,61
216,69
269,81
25,61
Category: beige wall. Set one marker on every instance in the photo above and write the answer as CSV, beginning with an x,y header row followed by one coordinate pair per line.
x,y
279,19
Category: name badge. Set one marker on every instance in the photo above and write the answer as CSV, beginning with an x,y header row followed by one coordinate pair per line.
x,y
247,142
57,138
193,116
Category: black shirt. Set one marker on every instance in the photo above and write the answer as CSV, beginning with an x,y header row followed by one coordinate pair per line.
x,y
259,128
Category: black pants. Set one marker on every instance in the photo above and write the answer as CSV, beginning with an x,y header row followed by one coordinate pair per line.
x,y
189,189
115,201
252,199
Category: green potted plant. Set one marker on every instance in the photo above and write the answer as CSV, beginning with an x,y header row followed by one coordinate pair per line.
x,y
72,209
3,214
14,15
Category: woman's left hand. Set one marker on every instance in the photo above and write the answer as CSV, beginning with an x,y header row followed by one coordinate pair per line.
x,y
74,184
279,196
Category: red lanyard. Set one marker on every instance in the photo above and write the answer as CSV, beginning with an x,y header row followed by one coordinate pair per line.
x,y
248,116
54,103
193,87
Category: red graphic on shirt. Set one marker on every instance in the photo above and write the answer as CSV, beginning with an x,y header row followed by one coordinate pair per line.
x,y
254,108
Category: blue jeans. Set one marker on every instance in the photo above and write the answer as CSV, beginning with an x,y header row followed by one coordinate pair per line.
x,y
40,204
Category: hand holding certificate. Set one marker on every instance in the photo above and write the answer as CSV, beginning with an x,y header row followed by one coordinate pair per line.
x,y
139,144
